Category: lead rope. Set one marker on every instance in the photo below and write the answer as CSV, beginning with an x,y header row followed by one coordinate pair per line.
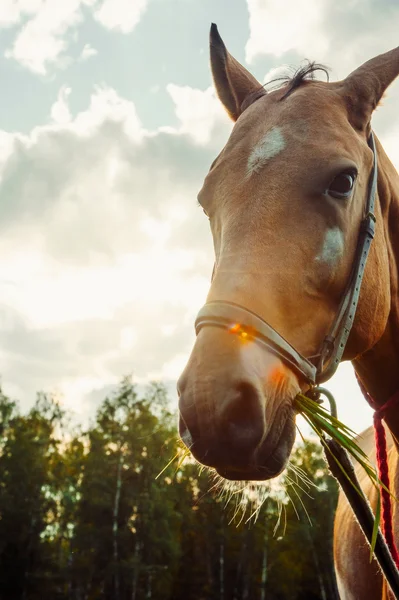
x,y
382,466
341,467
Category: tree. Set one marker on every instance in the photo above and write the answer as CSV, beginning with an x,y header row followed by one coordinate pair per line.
x,y
127,528
26,505
95,514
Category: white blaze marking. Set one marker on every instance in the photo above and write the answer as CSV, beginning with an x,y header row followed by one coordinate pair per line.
x,y
269,146
333,247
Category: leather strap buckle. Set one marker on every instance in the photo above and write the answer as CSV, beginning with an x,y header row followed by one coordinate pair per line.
x,y
368,224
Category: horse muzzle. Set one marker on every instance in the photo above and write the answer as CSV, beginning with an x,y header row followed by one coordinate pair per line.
x,y
233,419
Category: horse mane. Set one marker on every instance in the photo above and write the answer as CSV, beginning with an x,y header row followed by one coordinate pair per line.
x,y
291,82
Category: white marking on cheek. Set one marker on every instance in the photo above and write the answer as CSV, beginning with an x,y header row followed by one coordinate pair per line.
x,y
333,247
270,145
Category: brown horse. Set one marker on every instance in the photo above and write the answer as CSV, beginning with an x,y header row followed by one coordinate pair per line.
x,y
285,199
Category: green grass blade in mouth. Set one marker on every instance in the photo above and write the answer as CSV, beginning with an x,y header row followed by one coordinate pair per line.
x,y
316,408
180,455
323,423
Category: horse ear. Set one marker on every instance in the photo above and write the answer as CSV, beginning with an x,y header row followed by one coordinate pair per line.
x,y
232,81
365,86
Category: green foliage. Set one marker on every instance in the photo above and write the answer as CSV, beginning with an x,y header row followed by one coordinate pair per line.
x,y
94,514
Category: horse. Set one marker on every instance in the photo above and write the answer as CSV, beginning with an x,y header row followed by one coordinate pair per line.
x,y
285,199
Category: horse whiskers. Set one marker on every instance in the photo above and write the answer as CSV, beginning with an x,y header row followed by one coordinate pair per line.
x,y
303,506
247,495
285,519
302,475
292,483
294,478
280,510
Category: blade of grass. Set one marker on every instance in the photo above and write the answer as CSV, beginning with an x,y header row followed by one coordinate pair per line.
x,y
172,460
304,401
322,422
346,441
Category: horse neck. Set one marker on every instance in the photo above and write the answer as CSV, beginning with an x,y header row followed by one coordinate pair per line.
x,y
378,368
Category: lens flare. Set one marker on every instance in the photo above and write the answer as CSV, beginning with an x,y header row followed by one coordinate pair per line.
x,y
277,375
241,331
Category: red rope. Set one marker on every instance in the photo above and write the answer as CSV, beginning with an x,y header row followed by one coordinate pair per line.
x,y
383,468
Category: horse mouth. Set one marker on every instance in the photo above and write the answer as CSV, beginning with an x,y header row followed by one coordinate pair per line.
x,y
271,458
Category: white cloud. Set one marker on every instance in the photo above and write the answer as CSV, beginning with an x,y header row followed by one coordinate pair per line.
x,y
120,15
390,140
44,38
87,52
171,370
322,30
41,40
277,26
60,112
7,142
74,393
198,111
106,104
94,266
11,11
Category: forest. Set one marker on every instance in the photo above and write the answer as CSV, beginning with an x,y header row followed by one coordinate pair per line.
x,y
104,512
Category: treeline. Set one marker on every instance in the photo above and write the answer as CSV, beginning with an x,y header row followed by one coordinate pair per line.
x,y
85,515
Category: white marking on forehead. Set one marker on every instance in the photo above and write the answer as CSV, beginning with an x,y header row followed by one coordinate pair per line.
x,y
333,247
269,146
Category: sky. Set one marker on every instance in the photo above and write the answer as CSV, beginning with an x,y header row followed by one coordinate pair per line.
x,y
108,125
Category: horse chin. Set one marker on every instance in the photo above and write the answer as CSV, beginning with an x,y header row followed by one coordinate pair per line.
x,y
270,461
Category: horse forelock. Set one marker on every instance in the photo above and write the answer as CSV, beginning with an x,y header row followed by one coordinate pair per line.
x,y
289,83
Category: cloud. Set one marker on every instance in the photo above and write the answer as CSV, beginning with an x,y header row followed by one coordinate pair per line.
x,y
44,38
104,255
41,41
274,30
198,111
60,112
322,30
12,11
87,52
120,15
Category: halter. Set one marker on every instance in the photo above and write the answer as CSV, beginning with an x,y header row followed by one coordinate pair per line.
x,y
320,367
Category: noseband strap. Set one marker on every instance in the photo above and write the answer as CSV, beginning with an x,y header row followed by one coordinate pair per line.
x,y
228,315
323,365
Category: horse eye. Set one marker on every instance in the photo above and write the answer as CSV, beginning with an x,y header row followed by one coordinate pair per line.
x,y
342,185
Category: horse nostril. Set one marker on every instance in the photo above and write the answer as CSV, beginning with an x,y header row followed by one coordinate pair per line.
x,y
242,419
228,432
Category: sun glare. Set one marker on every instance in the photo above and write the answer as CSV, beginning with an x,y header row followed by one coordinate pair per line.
x,y
241,331
277,375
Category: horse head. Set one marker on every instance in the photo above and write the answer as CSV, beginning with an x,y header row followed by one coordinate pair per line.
x,y
285,200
